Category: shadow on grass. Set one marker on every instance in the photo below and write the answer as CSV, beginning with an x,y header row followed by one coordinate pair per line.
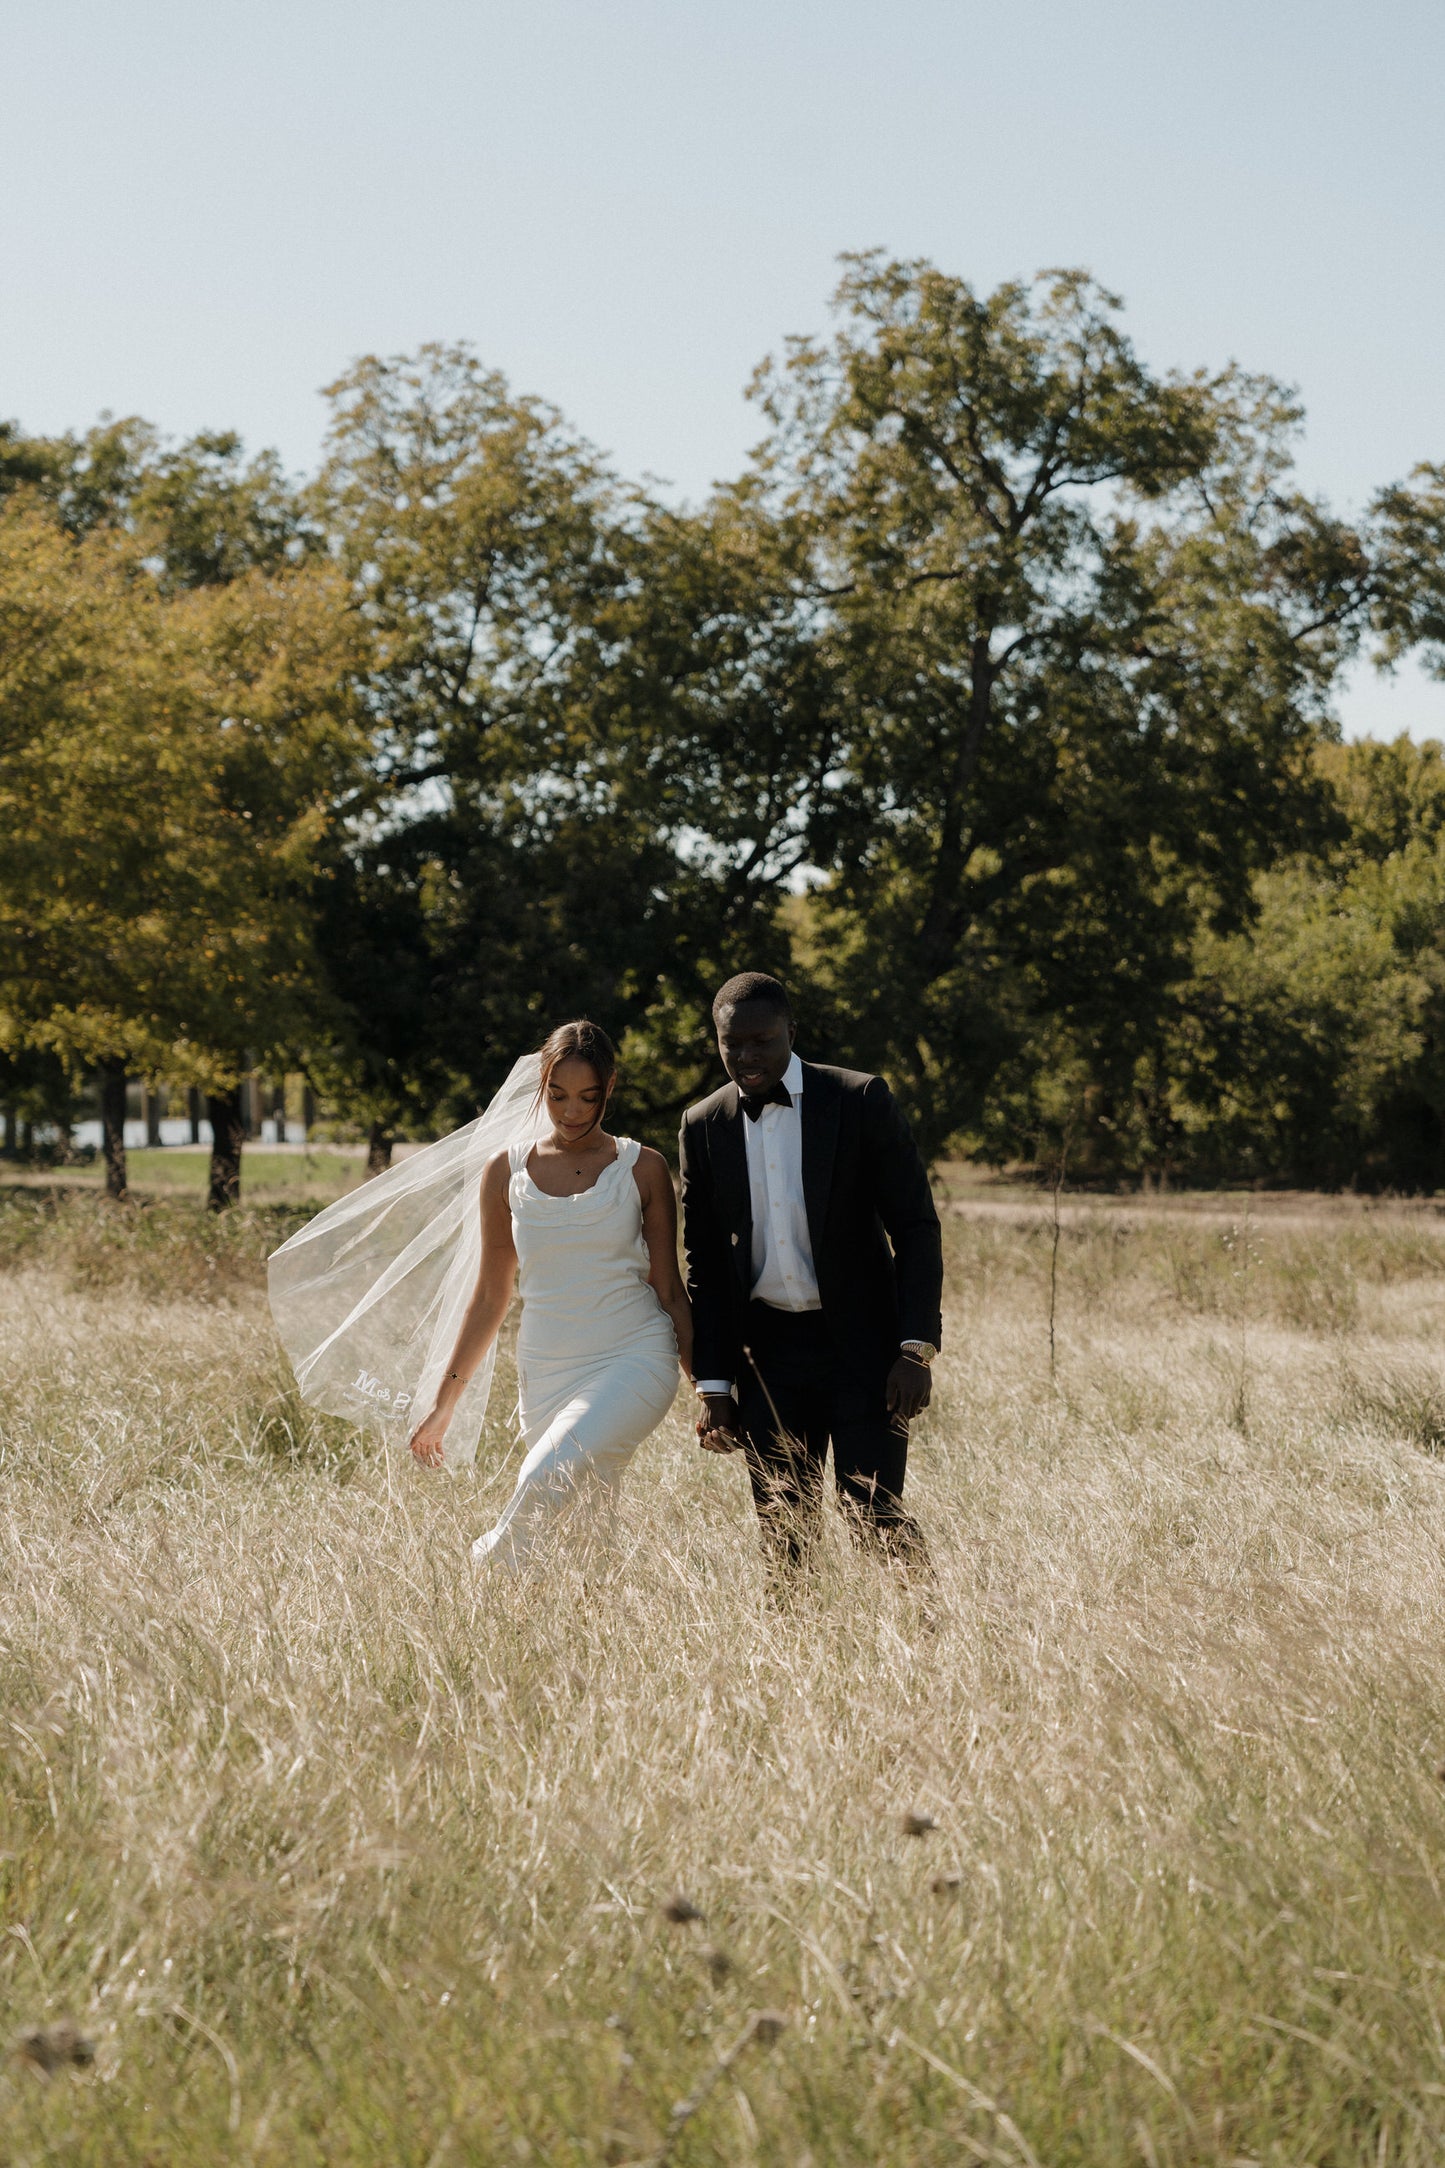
x,y
1407,1401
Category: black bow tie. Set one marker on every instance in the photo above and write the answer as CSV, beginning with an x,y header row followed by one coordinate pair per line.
x,y
779,1096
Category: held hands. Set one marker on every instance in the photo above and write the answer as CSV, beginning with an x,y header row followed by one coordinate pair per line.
x,y
716,1432
909,1388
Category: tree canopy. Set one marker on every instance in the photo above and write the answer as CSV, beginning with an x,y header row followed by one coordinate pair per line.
x,y
991,704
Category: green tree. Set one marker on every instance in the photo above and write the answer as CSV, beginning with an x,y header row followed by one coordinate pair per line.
x,y
171,765
1085,632
1408,593
714,715
201,511
1307,1046
199,514
602,721
473,527
204,513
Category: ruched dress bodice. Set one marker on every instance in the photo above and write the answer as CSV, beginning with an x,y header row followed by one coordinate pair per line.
x,y
583,1265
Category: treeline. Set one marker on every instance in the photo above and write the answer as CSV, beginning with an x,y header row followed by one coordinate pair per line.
x,y
990,706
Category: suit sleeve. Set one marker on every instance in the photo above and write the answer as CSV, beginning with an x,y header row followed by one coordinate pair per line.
x,y
715,1338
904,1198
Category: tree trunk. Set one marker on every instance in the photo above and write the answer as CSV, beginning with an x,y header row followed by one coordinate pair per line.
x,y
12,1133
228,1134
112,1126
378,1150
193,1113
150,1106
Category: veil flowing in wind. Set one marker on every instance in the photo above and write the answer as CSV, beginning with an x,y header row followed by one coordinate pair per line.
x,y
369,1296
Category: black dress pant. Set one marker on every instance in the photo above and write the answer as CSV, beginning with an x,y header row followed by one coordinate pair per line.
x,y
798,1390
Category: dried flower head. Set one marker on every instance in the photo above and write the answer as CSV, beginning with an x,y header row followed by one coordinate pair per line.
x,y
917,1825
944,1885
767,2024
681,1911
718,1963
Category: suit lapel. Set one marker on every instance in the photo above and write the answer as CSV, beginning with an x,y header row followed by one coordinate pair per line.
x,y
820,1142
734,1191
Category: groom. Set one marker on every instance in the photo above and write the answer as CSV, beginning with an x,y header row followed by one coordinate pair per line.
x,y
814,1264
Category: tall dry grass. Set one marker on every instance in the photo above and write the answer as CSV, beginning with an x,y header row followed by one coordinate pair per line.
x,y
335,1859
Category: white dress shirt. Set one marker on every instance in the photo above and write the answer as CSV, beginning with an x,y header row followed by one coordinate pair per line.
x,y
783,1274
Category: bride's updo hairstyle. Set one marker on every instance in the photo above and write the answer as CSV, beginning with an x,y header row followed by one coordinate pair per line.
x,y
581,1040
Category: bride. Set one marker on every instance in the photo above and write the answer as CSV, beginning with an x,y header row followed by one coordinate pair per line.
x,y
592,1221
405,1283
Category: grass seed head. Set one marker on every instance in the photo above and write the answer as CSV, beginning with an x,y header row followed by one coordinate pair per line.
x,y
917,1825
767,2024
718,1963
53,2047
681,1911
946,1885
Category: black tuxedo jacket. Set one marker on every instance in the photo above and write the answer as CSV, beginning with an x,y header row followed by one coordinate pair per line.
x,y
877,1249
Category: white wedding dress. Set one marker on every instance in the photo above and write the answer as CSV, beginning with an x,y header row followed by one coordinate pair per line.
x,y
596,1355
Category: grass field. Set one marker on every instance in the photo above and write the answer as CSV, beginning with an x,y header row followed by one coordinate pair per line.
x,y
313,1176
333,1859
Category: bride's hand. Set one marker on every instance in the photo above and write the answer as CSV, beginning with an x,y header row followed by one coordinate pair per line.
x,y
426,1439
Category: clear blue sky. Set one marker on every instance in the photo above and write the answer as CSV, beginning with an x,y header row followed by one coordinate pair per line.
x,y
206,208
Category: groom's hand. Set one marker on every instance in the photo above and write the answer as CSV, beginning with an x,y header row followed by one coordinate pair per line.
x,y
716,1426
909,1387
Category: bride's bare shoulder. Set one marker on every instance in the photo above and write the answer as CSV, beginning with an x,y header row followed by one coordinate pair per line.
x,y
651,1166
497,1172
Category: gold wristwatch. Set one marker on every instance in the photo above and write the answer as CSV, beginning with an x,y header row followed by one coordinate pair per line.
x,y
922,1351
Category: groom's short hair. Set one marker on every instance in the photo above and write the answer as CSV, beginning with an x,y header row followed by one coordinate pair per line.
x,y
752,986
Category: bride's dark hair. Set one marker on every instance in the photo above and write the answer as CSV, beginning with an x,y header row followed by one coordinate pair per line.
x,y
581,1040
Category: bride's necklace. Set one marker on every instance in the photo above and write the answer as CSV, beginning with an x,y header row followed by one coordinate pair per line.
x,y
578,1171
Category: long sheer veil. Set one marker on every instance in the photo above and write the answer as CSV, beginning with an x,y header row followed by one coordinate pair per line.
x,y
368,1297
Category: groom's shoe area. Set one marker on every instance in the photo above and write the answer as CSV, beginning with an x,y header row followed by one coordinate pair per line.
x,y
814,1261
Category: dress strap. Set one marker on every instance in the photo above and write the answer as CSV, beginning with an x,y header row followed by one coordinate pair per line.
x,y
628,1150
519,1151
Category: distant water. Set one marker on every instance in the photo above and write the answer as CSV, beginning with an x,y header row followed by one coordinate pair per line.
x,y
175,1129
